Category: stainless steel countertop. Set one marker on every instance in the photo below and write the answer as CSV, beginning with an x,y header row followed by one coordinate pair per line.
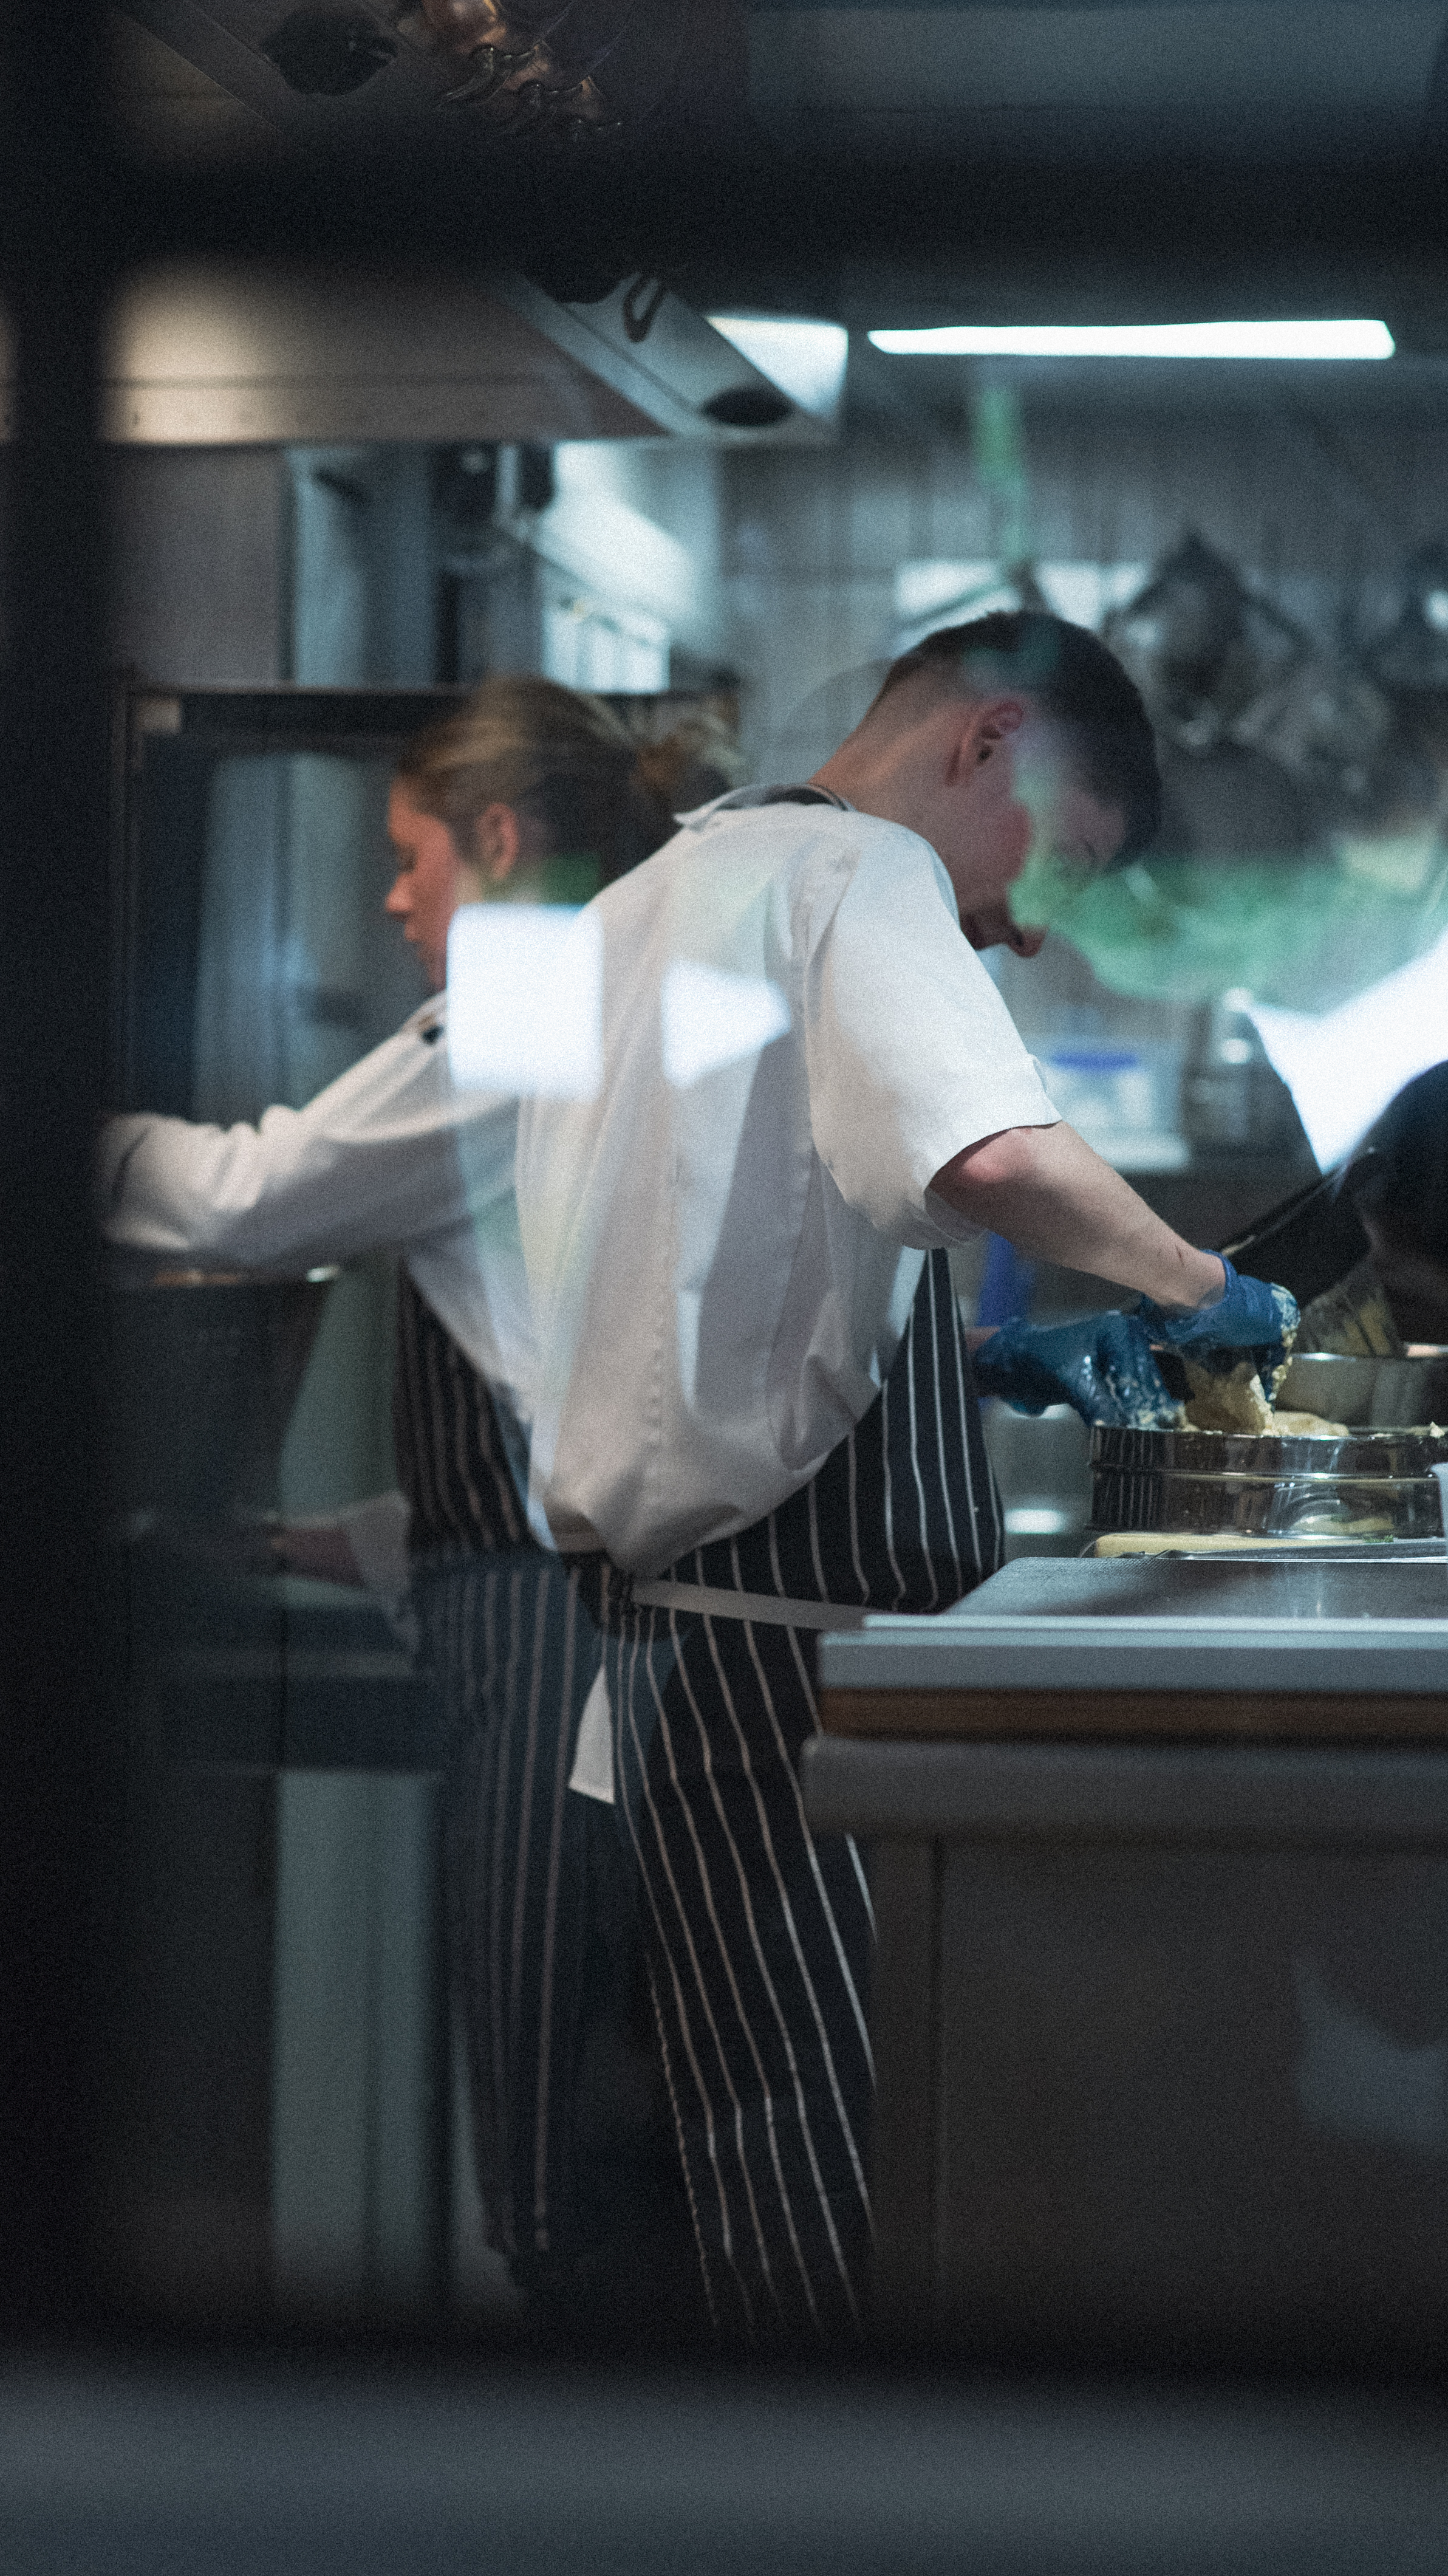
x,y
1371,1622
1306,1586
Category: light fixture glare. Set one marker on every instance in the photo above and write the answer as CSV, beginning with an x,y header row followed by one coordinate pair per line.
x,y
806,359
1296,340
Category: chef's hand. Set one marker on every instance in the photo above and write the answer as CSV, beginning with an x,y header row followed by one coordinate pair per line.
x,y
1250,1315
1101,1365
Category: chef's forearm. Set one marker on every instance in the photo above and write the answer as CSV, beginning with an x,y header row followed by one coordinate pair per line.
x,y
1049,1195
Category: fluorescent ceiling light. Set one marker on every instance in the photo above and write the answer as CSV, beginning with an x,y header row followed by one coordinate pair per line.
x,y
1142,340
805,359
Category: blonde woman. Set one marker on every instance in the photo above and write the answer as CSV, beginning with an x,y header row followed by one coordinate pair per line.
x,y
526,776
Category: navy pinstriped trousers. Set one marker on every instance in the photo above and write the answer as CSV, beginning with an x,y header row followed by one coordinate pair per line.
x,y
757,1934
515,1653
542,1937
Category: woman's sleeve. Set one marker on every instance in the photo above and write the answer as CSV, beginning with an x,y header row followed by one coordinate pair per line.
x,y
389,1154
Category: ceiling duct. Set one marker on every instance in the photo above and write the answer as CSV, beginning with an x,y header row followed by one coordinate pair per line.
x,y
227,354
213,356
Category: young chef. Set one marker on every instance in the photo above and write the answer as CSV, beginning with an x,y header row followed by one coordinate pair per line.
x,y
755,1397
395,1153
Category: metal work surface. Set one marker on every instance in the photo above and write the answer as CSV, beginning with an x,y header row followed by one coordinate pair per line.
x,y
1378,1583
1158,1624
1174,1651
1247,1797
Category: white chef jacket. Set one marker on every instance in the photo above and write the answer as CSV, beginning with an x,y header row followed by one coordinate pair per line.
x,y
723,1244
394,1153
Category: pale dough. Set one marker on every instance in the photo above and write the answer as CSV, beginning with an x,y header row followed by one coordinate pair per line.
x,y
1220,1542
1227,1399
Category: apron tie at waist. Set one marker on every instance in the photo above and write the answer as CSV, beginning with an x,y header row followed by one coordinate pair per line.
x,y
768,1609
592,1773
593,1753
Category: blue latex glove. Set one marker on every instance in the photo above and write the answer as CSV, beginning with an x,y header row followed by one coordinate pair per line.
x,y
1250,1315
1101,1365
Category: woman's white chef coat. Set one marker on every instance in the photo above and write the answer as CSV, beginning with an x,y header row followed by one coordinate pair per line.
x,y
392,1154
723,1243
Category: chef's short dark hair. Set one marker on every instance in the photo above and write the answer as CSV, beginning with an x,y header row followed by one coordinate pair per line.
x,y
1075,680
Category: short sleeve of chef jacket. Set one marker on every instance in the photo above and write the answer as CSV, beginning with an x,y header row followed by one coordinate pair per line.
x,y
911,1053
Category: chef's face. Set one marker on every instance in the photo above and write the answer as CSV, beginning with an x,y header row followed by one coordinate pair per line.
x,y
1019,797
432,880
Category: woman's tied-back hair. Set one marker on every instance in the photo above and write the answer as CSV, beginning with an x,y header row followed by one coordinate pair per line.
x,y
1074,680
593,783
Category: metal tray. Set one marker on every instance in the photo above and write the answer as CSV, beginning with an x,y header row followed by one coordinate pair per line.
x,y
1372,1484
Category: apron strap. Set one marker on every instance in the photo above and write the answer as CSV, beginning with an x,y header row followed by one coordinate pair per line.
x,y
766,1609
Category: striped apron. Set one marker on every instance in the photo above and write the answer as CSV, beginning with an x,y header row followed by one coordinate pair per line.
x,y
542,1940
757,1935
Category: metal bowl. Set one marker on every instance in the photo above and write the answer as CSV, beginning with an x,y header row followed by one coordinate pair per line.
x,y
1390,1392
1375,1484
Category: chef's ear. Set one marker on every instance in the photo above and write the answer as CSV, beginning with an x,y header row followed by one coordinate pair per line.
x,y
989,726
1000,718
497,842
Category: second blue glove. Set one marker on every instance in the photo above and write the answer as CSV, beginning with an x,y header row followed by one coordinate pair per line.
x,y
1102,1365
1250,1315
